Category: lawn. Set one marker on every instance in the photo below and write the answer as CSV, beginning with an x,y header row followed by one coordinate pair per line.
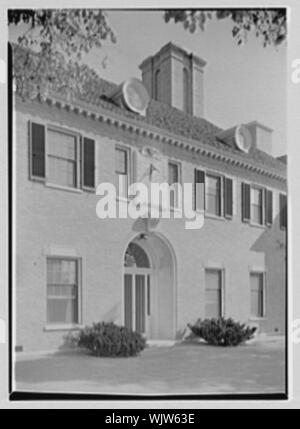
x,y
193,368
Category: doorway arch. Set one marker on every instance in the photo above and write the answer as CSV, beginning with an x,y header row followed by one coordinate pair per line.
x,y
149,287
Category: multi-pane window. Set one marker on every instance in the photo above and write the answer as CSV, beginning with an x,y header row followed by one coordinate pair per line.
x,y
213,195
256,205
174,179
62,291
122,170
257,294
213,293
61,158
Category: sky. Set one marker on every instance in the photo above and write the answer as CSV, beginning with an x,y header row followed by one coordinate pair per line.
x,y
241,83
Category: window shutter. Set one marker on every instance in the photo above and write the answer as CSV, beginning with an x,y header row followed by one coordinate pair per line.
x,y
268,207
199,198
283,211
245,202
37,150
88,163
228,197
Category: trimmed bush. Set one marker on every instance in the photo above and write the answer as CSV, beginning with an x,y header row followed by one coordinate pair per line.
x,y
109,340
222,332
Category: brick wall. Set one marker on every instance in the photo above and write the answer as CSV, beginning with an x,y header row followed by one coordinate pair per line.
x,y
48,218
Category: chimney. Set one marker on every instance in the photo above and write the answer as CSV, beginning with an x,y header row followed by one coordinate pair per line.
x,y
175,77
261,136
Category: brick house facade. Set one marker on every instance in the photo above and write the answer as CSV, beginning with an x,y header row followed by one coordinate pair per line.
x,y
69,264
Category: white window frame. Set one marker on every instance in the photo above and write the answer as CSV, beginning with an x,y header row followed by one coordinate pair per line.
x,y
220,177
261,189
264,292
178,197
78,157
222,271
65,326
129,152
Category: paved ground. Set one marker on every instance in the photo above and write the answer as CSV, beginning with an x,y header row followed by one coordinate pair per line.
x,y
182,368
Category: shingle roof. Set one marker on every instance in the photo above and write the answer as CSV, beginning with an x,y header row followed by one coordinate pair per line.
x,y
175,121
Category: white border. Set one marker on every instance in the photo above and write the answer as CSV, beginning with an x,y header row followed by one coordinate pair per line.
x,y
293,204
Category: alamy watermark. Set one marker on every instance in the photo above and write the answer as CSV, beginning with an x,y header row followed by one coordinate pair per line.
x,y
155,201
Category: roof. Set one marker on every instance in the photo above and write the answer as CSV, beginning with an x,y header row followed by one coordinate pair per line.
x,y
171,119
95,92
282,158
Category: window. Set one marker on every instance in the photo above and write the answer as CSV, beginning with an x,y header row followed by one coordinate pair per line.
x,y
257,294
135,256
213,293
62,155
199,189
122,171
257,206
283,211
256,198
62,291
55,157
213,195
173,179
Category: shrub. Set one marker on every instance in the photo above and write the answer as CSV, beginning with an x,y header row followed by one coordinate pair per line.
x,y
222,332
110,340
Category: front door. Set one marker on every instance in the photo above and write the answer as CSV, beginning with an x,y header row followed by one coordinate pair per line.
x,y
137,301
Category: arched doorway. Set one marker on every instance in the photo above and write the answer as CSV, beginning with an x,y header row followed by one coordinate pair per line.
x,y
149,287
137,284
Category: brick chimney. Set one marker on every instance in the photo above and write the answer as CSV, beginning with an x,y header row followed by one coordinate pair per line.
x,y
175,77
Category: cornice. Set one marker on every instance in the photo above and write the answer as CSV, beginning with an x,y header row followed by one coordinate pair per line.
x,y
152,132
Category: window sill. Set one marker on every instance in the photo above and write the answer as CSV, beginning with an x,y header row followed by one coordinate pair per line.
x,y
257,319
215,217
257,225
62,327
63,188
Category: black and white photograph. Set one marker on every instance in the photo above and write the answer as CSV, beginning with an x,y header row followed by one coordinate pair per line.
x,y
148,203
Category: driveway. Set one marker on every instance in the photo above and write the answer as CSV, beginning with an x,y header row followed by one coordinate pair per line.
x,y
182,368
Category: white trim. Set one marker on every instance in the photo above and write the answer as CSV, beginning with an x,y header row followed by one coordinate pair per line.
x,y
63,327
77,136
211,173
128,149
53,250
250,221
221,269
63,188
166,242
78,259
264,291
153,132
79,156
171,160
